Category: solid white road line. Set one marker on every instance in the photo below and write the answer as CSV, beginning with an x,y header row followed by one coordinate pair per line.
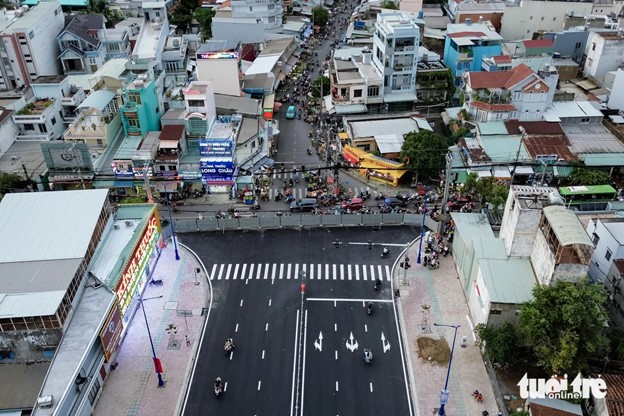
x,y
305,338
349,300
320,273
292,394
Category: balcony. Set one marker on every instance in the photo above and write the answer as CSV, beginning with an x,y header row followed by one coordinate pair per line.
x,y
401,68
468,56
73,99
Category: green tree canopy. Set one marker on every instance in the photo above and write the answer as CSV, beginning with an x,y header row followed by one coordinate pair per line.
x,y
204,16
584,176
424,151
320,16
502,344
488,189
323,82
10,182
389,4
182,14
564,324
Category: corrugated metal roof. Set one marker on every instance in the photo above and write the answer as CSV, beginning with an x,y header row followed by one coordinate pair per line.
x,y
98,99
49,225
508,281
370,128
492,127
475,225
389,143
566,226
604,159
31,304
109,252
504,148
37,276
25,382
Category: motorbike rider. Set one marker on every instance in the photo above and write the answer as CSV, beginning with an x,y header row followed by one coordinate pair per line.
x,y
218,385
229,344
377,284
370,307
385,252
368,355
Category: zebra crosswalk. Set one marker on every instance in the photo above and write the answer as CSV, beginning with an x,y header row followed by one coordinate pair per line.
x,y
300,190
293,271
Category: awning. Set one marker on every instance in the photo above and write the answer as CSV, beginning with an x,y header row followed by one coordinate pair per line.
x,y
329,106
103,184
167,186
523,170
343,136
462,176
501,172
400,96
168,144
562,171
353,154
351,109
394,173
98,99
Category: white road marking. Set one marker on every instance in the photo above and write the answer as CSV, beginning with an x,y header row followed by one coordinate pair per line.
x,y
357,271
220,271
320,273
349,300
379,269
295,274
243,269
371,387
336,354
342,272
292,394
266,327
251,270
212,273
305,338
235,271
227,273
388,277
365,328
327,271
241,304
259,384
259,271
349,271
281,271
231,355
269,302
225,386
336,385
266,271
335,327
364,277
334,272
236,329
263,354
372,275
274,271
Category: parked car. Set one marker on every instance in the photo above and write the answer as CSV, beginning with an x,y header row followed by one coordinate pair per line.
x,y
304,204
291,112
394,202
353,204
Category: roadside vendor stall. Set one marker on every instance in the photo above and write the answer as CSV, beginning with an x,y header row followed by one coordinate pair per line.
x,y
382,170
353,155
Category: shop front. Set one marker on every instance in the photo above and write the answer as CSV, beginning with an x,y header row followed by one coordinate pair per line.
x,y
353,155
382,170
216,164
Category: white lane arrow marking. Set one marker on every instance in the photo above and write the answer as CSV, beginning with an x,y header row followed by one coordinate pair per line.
x,y
319,345
386,346
352,344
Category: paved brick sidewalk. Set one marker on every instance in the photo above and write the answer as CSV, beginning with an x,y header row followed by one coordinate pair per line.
x,y
441,290
132,388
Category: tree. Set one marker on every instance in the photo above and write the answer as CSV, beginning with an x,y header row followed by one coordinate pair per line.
x,y
425,152
204,16
564,324
501,343
389,4
182,14
96,6
321,85
9,182
488,189
584,176
320,16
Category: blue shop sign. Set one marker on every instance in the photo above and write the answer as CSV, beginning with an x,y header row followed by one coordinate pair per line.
x,y
216,147
212,169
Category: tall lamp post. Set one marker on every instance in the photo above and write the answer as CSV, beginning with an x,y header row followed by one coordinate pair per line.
x,y
157,364
175,244
422,231
444,394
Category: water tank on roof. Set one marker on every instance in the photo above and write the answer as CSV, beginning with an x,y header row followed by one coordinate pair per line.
x,y
421,14
176,43
73,89
555,199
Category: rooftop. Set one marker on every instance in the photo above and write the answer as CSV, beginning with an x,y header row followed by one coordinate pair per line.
x,y
592,138
510,280
147,41
38,10
213,45
173,132
474,225
538,43
499,79
370,128
221,130
566,226
471,30
570,109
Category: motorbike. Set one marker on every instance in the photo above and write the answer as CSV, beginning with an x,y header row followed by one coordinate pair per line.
x,y
279,196
434,264
309,152
365,195
368,356
378,284
218,387
289,199
380,197
228,347
445,251
156,282
255,206
369,309
385,253
220,215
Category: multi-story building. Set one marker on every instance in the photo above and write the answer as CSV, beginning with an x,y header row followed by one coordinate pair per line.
x,y
175,56
465,46
98,121
459,11
152,37
605,53
82,51
395,55
27,49
142,100
516,94
219,61
433,80
269,11
200,108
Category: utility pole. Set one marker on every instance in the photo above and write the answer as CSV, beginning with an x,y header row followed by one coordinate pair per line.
x,y
447,184
148,191
513,173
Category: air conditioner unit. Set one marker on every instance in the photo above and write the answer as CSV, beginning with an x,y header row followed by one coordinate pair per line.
x,y
129,223
45,401
116,226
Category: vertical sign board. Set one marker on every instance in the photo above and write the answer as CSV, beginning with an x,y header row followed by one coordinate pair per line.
x,y
111,332
130,277
216,148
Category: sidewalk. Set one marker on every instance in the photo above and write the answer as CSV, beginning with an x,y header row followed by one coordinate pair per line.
x,y
132,388
441,290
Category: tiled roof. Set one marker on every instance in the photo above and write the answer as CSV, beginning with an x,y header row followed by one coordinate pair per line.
x,y
501,79
538,43
171,132
492,107
466,35
539,410
502,59
615,393
81,24
534,127
619,265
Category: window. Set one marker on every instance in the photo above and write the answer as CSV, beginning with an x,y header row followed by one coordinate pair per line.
x,y
365,147
271,19
250,9
92,61
134,97
357,93
608,255
593,46
133,122
195,103
373,91
578,45
595,239
31,34
496,311
95,389
43,128
53,120
585,120
271,7
29,127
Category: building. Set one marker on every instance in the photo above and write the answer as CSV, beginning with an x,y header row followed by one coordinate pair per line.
x,y
568,43
98,122
27,48
605,53
200,111
152,37
518,93
82,51
8,131
465,46
40,120
613,284
608,237
175,58
524,18
495,284
433,79
59,88
142,103
460,11
395,57
536,47
269,11
219,61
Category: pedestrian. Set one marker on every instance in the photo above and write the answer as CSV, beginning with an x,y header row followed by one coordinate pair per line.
x,y
188,341
426,261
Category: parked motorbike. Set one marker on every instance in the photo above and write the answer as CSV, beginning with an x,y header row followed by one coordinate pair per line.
x,y
156,282
279,196
309,152
380,197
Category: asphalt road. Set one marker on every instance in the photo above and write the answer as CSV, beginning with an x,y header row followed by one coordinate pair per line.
x,y
281,366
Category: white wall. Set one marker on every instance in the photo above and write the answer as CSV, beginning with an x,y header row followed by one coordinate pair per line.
x,y
242,30
223,73
616,98
521,22
43,46
602,56
599,265
8,133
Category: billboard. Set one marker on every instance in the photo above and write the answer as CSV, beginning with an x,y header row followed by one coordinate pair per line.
x,y
216,169
216,148
111,332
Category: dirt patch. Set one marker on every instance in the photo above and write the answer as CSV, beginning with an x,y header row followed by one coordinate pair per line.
x,y
435,351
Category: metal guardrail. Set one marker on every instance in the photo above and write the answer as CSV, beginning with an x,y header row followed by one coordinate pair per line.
x,y
296,221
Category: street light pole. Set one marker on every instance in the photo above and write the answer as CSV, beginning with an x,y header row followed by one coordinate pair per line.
x,y
422,231
157,365
175,244
444,394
